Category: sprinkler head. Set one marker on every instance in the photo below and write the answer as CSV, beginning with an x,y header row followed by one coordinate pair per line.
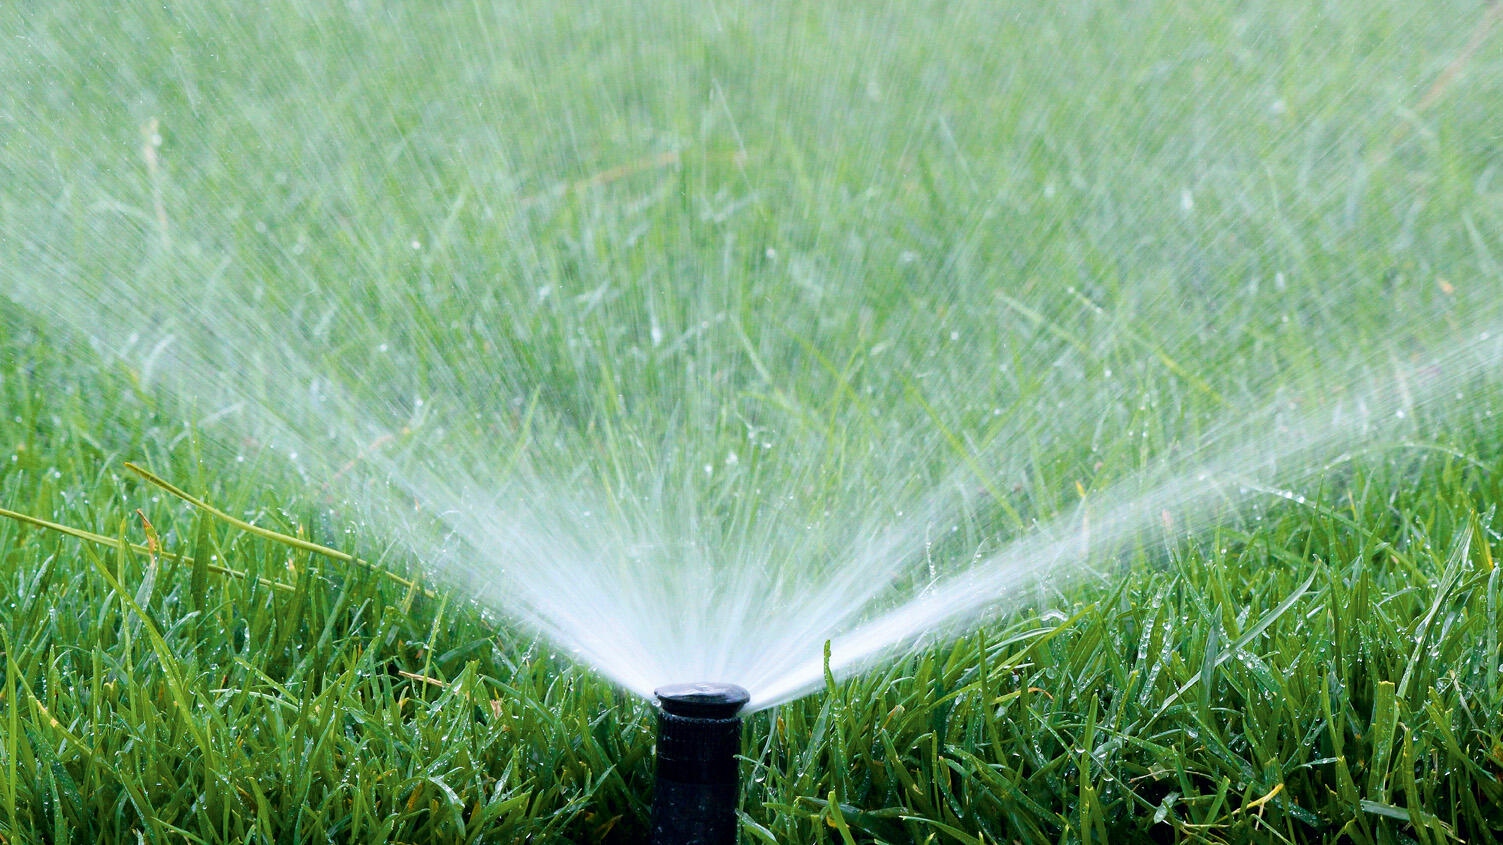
x,y
702,701
699,736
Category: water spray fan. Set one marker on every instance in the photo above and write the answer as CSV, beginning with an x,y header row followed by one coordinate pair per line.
x,y
699,736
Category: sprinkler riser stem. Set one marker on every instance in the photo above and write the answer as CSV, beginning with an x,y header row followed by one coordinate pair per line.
x,y
698,784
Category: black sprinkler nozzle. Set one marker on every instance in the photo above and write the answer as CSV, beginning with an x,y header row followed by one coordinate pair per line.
x,y
699,736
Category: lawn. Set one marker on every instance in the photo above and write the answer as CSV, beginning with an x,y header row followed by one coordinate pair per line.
x,y
763,280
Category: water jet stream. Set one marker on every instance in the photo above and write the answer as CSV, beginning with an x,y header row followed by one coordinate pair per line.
x,y
800,333
1179,496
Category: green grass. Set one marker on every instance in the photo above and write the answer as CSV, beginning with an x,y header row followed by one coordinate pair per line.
x,y
808,204
1333,671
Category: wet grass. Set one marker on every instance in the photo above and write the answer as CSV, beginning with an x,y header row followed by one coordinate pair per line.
x,y
1327,671
1316,669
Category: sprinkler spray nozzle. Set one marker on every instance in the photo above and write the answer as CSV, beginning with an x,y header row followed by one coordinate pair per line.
x,y
699,736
